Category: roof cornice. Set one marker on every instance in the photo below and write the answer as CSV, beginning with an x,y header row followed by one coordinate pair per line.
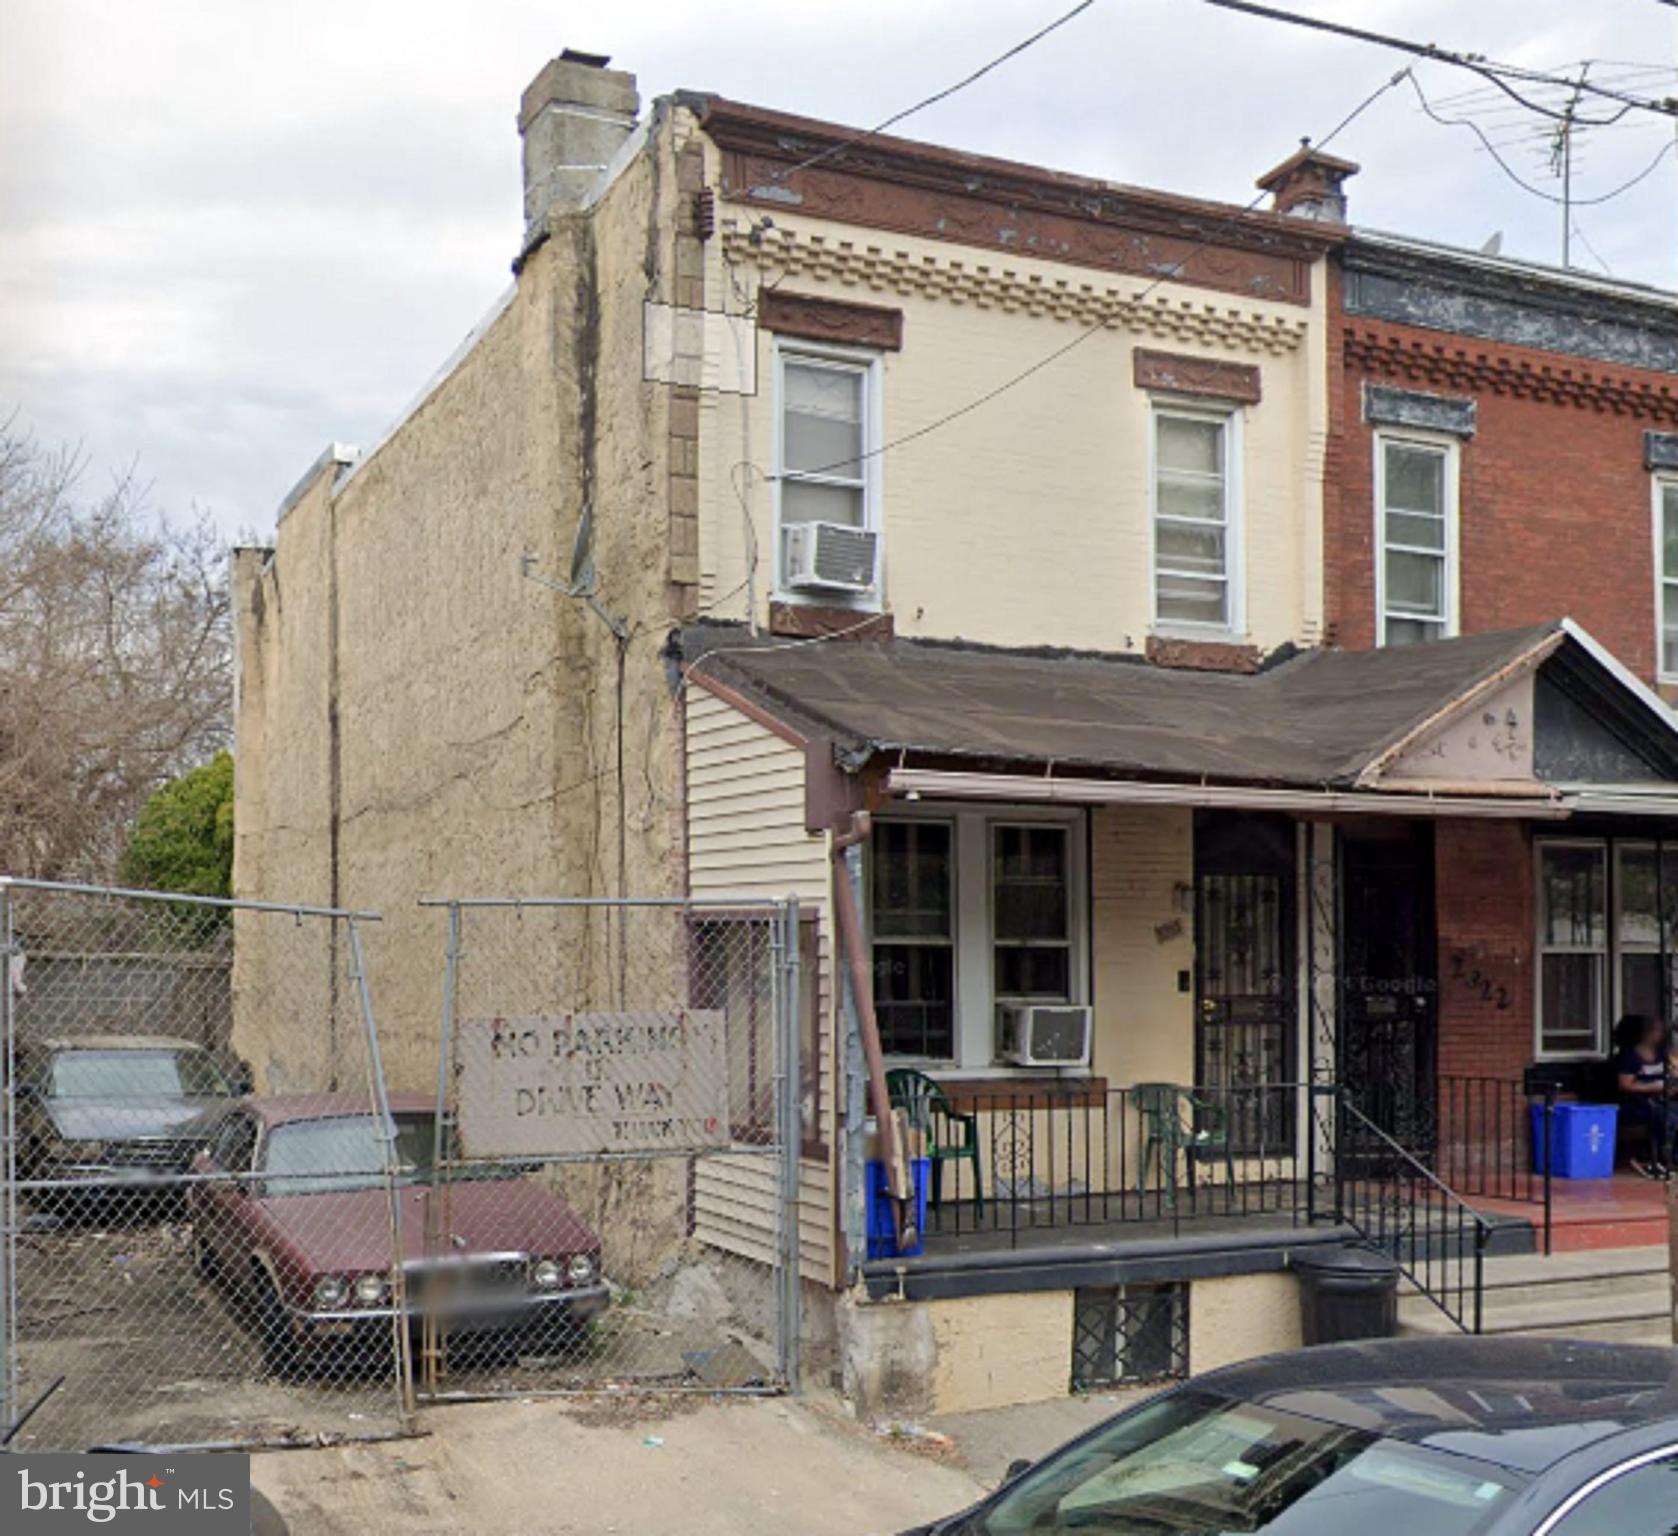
x,y
925,189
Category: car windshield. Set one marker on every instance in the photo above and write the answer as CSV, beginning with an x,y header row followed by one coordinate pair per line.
x,y
346,1152
1195,1464
140,1074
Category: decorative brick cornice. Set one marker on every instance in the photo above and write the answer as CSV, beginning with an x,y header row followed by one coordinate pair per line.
x,y
1467,370
880,269
877,182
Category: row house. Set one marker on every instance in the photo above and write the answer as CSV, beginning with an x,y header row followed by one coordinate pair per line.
x,y
1237,739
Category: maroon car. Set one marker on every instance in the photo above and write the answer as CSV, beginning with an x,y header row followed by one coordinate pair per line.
x,y
300,1235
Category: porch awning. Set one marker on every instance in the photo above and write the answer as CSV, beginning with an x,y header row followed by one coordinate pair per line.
x,y
1522,721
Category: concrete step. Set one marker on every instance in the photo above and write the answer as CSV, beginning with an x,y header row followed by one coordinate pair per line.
x,y
1621,1295
1644,1317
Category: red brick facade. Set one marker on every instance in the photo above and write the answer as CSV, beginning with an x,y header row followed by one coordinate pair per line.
x,y
1554,502
1486,941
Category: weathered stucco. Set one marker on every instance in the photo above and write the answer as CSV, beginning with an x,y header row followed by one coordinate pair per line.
x,y
416,718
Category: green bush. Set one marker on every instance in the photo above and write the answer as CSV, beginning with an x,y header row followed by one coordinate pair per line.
x,y
183,839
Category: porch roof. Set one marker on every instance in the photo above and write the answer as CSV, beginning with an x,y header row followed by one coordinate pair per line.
x,y
1320,719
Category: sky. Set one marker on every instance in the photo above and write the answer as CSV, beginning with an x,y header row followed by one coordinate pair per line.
x,y
231,233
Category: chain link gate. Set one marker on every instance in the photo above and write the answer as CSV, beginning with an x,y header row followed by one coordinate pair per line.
x,y
197,1266
614,1079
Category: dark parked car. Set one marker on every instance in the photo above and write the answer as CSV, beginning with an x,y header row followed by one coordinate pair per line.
x,y
1406,1437
108,1117
303,1241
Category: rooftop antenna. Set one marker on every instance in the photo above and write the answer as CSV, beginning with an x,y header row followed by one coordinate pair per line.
x,y
584,583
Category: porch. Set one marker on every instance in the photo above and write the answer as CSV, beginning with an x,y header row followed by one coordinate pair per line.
x,y
1313,907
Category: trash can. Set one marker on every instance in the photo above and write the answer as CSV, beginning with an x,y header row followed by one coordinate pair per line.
x,y
1346,1293
1581,1143
882,1229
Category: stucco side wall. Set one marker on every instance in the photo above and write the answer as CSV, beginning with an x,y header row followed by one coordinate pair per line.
x,y
403,682
1235,1317
1027,521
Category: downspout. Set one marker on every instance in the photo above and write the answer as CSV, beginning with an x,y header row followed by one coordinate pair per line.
x,y
849,923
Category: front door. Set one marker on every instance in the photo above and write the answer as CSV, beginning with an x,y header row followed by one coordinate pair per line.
x,y
1245,1027
1389,995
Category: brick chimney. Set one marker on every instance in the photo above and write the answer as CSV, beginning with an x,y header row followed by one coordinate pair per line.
x,y
573,118
1310,185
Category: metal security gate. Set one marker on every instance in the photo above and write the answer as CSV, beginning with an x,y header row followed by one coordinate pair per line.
x,y
190,1264
616,1085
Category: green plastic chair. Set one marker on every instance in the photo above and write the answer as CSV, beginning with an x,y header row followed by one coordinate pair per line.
x,y
1176,1121
950,1136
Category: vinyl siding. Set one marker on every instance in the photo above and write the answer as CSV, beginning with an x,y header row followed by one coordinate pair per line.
x,y
746,837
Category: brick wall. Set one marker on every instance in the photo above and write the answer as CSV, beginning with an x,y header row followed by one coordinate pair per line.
x,y
1486,933
1555,468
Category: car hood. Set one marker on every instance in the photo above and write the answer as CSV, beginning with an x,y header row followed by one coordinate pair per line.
x,y
344,1231
123,1119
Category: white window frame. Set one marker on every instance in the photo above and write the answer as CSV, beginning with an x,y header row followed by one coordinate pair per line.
x,y
1451,450
1659,486
1609,951
868,364
1231,418
974,924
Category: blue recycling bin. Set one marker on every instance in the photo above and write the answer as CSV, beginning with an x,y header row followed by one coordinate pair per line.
x,y
882,1230
1581,1143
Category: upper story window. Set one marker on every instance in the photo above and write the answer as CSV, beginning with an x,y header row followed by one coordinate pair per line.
x,y
1666,575
1196,520
1416,536
827,469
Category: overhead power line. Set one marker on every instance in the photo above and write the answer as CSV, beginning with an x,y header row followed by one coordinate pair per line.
x,y
937,96
1176,269
1508,170
1500,75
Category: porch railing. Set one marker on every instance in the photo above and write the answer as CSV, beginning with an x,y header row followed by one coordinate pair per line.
x,y
1066,1156
1397,1204
1483,1139
1165,1159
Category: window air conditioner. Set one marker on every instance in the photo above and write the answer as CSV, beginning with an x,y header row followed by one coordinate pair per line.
x,y
1046,1035
832,557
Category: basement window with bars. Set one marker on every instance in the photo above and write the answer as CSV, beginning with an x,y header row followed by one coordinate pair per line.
x,y
1123,1335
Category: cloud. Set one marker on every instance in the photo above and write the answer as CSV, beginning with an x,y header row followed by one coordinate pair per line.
x,y
231,233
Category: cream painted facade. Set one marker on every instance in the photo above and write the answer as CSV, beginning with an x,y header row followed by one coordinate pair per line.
x,y
1027,522
418,718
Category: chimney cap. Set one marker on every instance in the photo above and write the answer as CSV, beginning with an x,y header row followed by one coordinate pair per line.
x,y
1302,157
592,60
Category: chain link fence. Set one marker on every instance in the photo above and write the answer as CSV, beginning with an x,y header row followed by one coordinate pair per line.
x,y
613,1084
190,1264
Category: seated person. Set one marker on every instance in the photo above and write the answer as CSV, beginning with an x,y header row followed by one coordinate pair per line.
x,y
1641,1073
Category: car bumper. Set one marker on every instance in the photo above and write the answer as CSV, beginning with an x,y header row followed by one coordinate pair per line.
x,y
465,1314
87,1179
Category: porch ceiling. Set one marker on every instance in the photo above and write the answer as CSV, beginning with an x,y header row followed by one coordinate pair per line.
x,y
1319,719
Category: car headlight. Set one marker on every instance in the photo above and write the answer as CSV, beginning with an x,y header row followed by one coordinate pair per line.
x,y
370,1290
580,1270
330,1291
546,1274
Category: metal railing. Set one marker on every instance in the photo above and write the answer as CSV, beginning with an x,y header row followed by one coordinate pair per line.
x,y
1065,1155
1397,1204
1484,1138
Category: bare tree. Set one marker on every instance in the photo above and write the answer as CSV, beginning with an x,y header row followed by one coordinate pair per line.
x,y
115,659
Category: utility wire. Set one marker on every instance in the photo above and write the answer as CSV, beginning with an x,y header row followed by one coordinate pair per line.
x,y
1488,69
1514,175
937,96
1175,270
